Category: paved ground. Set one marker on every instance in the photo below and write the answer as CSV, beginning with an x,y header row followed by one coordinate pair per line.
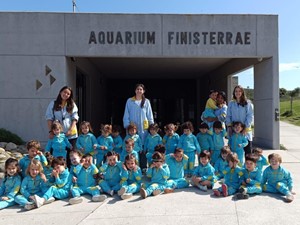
x,y
190,206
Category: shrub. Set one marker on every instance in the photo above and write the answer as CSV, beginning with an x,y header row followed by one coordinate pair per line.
x,y
287,113
7,136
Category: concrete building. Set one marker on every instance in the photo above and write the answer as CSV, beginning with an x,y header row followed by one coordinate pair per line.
x,y
102,56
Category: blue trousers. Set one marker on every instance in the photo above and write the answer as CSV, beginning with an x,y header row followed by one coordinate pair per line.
x,y
56,192
107,188
253,189
77,191
177,183
5,204
280,187
155,186
132,188
22,201
191,162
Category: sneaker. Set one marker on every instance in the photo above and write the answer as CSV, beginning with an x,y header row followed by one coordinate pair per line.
x,y
289,197
50,200
75,200
243,190
202,187
143,193
225,190
156,192
217,193
168,190
38,201
126,196
241,196
99,198
30,206
122,191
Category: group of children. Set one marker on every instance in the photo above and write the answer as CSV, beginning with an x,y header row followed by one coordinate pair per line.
x,y
109,165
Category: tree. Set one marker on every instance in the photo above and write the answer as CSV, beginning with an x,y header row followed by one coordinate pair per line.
x,y
282,92
294,93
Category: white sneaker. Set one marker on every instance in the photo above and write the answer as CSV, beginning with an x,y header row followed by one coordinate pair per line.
x,y
99,198
50,200
122,191
202,187
156,192
75,200
38,201
126,196
30,206
289,197
143,193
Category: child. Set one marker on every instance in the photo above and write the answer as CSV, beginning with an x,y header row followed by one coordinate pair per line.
x,y
204,139
31,185
221,163
62,183
34,152
262,160
118,142
151,141
231,177
171,138
238,141
48,172
111,170
132,134
129,143
204,174
105,143
188,142
11,183
250,179
86,141
218,135
177,163
159,173
133,173
59,142
277,179
85,183
211,106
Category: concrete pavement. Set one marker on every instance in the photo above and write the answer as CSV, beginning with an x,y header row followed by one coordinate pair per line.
x,y
190,206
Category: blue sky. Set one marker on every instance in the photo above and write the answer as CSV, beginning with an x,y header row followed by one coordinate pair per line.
x,y
288,11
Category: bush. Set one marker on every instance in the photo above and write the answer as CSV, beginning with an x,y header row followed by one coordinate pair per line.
x,y
287,113
7,136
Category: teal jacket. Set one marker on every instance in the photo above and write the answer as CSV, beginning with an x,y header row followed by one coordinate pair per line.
x,y
10,186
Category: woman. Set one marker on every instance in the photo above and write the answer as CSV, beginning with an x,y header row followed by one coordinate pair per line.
x,y
64,110
240,109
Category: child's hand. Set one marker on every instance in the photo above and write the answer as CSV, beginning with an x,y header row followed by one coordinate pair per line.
x,y
43,176
39,153
55,173
95,146
152,165
4,198
248,180
135,168
31,197
74,180
172,155
124,167
102,147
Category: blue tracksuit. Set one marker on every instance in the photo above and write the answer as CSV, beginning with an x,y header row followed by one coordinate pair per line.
x,y
29,187
85,143
25,161
232,179
218,144
58,143
205,141
125,153
9,188
112,177
133,180
137,142
118,144
206,172
150,143
190,145
220,166
159,177
170,143
176,179
86,182
277,181
262,161
234,141
50,181
103,141
254,186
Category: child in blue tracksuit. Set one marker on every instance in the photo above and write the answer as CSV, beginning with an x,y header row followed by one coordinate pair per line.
x,y
105,144
211,106
86,141
61,179
218,136
177,163
152,140
171,138
47,170
262,160
277,179
34,152
59,142
221,163
31,185
118,141
85,182
133,174
129,149
204,174
232,177
250,179
11,183
237,141
132,134
159,173
204,139
188,142
112,171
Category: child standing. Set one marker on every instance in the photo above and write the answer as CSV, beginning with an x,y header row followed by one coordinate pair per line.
x,y
105,143
262,160
204,139
211,106
159,173
171,138
118,142
11,183
129,149
237,141
277,179
86,141
188,142
204,174
221,163
218,136
133,174
232,177
151,141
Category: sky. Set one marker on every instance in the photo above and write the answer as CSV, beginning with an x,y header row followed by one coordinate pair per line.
x,y
288,12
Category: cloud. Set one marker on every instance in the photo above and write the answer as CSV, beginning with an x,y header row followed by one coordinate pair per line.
x,y
289,66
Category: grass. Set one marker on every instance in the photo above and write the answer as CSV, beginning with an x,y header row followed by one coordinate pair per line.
x,y
285,111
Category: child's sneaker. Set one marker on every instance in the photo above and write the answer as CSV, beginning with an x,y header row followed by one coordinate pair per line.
x,y
126,196
50,200
241,196
99,198
225,190
217,193
289,197
75,200
30,206
143,193
121,191
38,201
202,187
168,190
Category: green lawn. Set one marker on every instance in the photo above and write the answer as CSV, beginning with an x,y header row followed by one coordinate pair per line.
x,y
285,106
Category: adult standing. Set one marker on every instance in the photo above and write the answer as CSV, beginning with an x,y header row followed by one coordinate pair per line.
x,y
64,110
240,109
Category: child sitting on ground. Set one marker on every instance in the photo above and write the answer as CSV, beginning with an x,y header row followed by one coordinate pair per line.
x,y
262,160
221,163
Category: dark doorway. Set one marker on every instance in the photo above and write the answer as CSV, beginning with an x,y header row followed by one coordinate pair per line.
x,y
81,95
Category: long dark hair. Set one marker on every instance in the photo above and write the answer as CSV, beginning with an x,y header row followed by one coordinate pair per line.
x,y
143,96
70,102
